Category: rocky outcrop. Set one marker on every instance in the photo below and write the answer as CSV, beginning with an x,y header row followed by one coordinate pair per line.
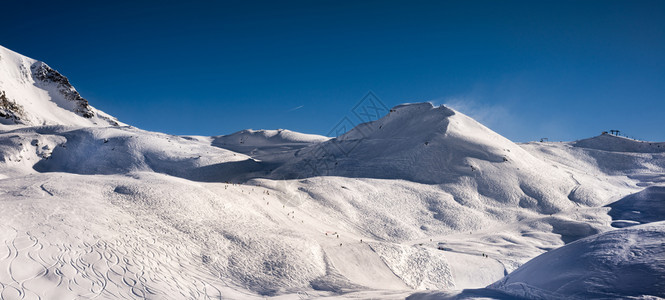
x,y
45,75
10,110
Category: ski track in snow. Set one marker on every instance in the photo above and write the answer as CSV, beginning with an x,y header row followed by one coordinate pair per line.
x,y
31,267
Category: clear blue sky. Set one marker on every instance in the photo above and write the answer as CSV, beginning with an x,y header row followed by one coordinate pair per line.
x,y
528,69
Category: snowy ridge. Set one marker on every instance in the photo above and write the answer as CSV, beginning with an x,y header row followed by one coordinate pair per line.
x,y
614,143
32,93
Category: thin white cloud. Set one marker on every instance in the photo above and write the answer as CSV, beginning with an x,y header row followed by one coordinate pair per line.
x,y
295,108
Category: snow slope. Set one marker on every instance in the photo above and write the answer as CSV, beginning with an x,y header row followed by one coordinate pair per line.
x,y
424,199
643,207
621,263
31,93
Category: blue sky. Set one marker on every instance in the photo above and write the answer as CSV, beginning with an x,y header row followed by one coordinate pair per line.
x,y
528,69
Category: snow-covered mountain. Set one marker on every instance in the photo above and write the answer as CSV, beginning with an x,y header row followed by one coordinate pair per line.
x,y
32,93
436,145
424,202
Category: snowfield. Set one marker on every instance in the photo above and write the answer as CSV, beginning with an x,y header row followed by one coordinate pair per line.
x,y
424,203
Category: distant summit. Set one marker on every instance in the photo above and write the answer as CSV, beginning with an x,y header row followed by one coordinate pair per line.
x,y
613,143
33,94
257,138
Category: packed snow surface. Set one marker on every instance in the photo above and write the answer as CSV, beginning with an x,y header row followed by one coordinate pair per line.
x,y
424,203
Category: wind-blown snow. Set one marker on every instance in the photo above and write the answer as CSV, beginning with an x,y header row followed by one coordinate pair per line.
x,y
424,199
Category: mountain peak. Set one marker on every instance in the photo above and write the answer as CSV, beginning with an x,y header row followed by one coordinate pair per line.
x,y
408,120
32,93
